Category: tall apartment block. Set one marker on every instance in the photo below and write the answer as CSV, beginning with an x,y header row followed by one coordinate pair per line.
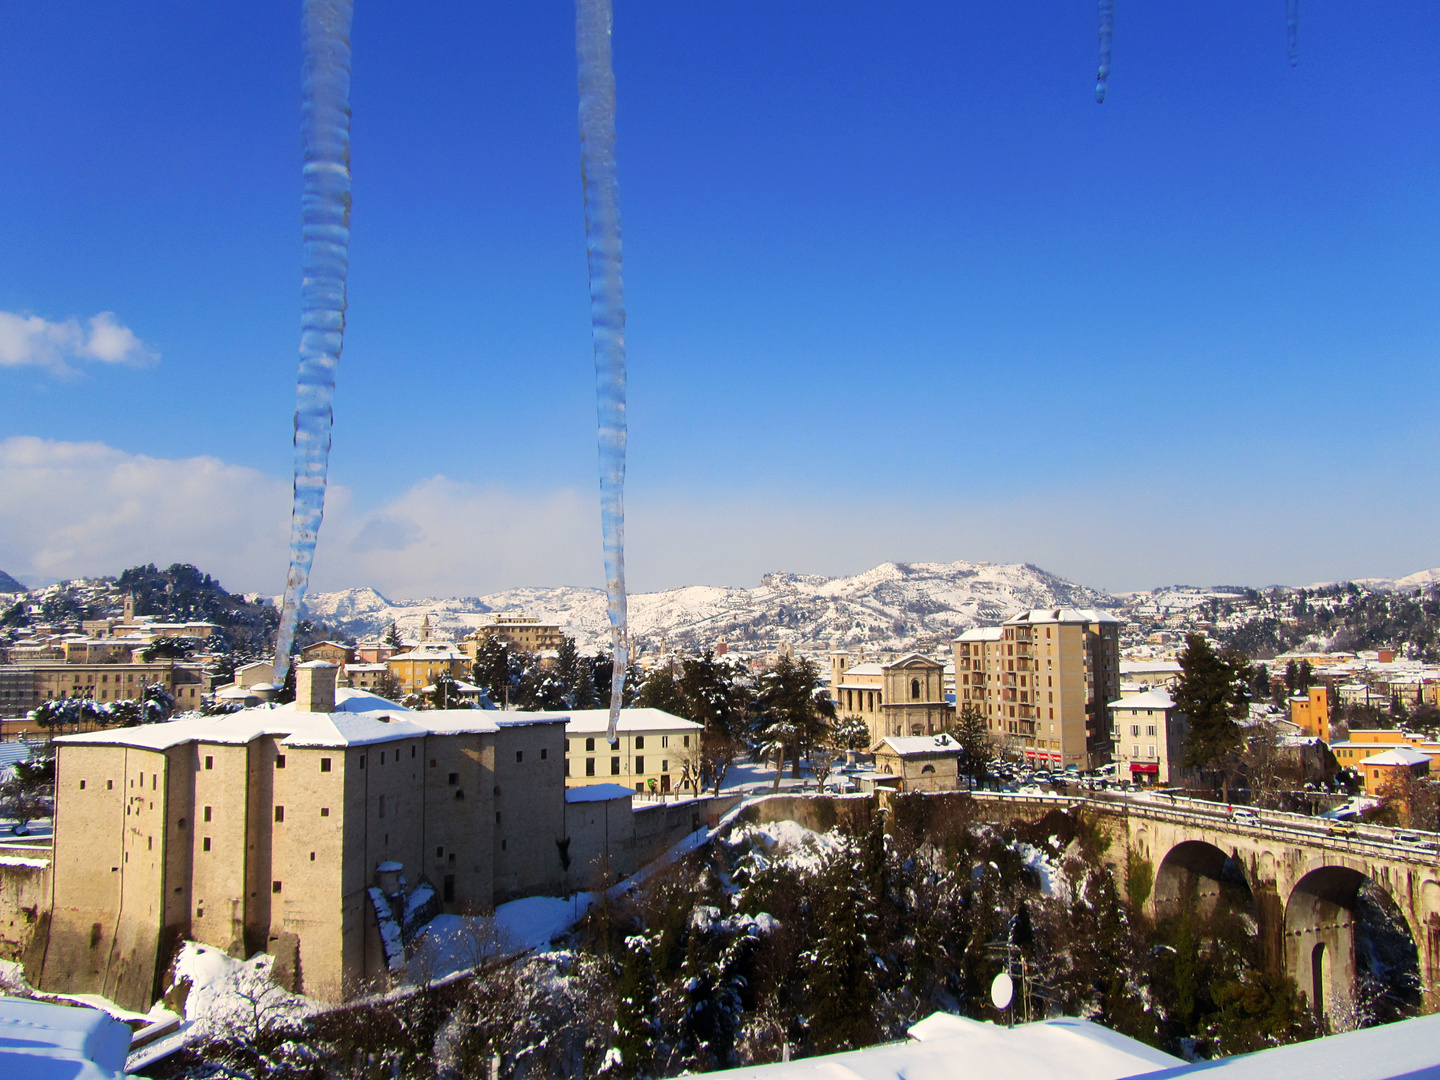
x,y
1043,682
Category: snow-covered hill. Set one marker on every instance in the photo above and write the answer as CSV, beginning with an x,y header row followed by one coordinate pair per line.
x,y
893,606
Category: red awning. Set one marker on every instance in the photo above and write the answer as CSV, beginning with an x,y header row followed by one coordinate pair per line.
x,y
1141,766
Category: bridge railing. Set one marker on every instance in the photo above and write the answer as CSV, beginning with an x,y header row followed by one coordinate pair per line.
x,y
1359,838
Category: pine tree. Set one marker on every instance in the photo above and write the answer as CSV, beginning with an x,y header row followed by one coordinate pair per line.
x,y
840,981
636,1010
1211,693
392,637
661,691
973,735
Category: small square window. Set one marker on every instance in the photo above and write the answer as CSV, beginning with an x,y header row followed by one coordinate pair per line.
x,y
207,813
274,886
544,753
362,761
639,742
205,844
209,763
519,756
324,764
439,852
279,813
497,817
109,785
589,745
82,785
454,779
279,761
312,856
324,811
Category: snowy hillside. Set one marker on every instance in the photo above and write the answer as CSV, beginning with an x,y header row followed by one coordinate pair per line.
x,y
893,606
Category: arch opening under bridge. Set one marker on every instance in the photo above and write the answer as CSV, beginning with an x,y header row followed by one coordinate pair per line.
x,y
1351,949
1198,872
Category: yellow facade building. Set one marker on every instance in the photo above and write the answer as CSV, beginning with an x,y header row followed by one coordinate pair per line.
x,y
655,751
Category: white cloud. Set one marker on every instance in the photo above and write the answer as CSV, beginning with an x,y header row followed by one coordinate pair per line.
x,y
71,509
30,341
74,509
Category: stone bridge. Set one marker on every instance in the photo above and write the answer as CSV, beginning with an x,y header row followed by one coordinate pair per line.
x,y
1302,874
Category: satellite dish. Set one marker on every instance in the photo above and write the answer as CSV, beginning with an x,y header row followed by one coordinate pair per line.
x,y
1002,990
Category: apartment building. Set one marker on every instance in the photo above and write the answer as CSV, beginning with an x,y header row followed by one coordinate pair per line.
x,y
518,631
1311,712
277,828
1043,682
655,751
1149,734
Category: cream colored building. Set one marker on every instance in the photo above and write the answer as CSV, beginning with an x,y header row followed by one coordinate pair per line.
x,y
1150,672
923,763
1148,733
858,689
653,746
914,698
1043,682
268,828
27,685
901,697
519,631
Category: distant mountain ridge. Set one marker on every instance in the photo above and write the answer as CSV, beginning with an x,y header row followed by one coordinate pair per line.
x,y
892,606
9,585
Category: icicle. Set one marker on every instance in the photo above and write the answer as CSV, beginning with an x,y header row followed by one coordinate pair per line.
x,y
1107,33
325,239
593,20
1292,29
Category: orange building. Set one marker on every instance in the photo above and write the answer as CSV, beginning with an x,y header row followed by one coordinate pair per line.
x,y
1311,712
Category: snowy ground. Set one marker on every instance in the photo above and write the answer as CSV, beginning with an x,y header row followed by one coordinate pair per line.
x,y
40,833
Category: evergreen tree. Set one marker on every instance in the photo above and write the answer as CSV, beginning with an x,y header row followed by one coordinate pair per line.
x,y
794,701
492,669
661,691
392,637
582,690
840,982
1211,692
636,1010
973,735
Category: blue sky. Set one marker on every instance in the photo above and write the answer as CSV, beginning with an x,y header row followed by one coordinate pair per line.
x,y
897,287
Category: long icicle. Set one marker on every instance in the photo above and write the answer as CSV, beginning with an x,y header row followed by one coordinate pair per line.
x,y
1107,35
593,22
325,241
1292,29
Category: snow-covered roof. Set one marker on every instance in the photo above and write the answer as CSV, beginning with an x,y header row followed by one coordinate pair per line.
x,y
597,793
597,721
360,718
1062,615
867,668
38,1039
910,658
1397,755
982,633
1151,699
907,745
1406,1048
432,650
1138,667
944,1047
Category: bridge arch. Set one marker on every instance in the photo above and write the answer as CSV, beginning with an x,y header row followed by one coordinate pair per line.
x,y
1209,870
1349,946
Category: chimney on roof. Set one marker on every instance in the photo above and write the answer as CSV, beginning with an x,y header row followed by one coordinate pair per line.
x,y
315,686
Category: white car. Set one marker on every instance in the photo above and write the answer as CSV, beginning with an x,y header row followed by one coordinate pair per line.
x,y
1241,816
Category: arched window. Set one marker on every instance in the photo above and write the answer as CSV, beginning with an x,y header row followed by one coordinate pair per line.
x,y
928,768
916,729
914,689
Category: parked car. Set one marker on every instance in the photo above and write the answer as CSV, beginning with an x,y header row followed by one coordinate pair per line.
x,y
1242,816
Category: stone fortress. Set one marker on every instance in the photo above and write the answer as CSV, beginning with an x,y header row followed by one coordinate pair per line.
x,y
290,828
